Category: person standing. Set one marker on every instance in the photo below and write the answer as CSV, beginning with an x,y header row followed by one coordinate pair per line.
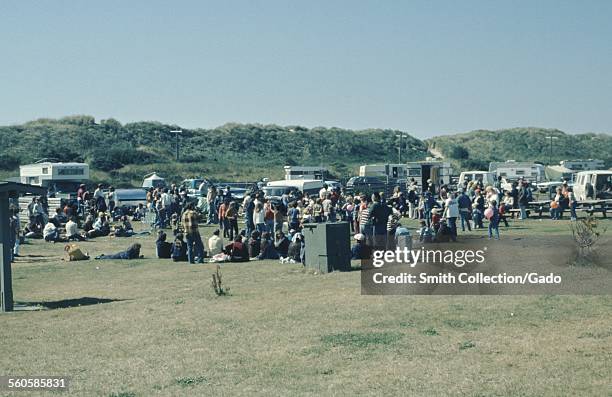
x,y
211,197
465,210
451,213
111,197
523,200
379,217
232,219
192,233
259,219
494,221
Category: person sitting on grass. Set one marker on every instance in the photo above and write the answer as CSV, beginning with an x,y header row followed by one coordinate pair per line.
x,y
101,227
139,213
162,247
215,243
237,251
133,252
281,244
179,249
425,233
72,230
444,233
254,243
51,232
125,229
361,250
267,250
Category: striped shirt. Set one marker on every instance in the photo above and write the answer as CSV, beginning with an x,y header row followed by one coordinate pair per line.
x,y
364,216
190,222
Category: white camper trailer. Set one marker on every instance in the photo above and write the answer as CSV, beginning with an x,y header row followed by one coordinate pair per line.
x,y
514,170
301,172
56,177
390,170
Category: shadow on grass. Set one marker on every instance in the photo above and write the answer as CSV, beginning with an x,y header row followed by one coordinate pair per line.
x,y
67,303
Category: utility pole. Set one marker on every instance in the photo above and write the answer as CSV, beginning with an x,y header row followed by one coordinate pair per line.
x,y
399,149
551,148
177,132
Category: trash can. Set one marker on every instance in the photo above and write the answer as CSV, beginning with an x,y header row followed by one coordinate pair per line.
x,y
328,246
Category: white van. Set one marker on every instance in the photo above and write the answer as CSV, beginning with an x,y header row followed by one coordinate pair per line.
x,y
592,185
486,177
275,189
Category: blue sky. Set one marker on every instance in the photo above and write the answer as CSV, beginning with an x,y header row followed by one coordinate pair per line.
x,y
426,67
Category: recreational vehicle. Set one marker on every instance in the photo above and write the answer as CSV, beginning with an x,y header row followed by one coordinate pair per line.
x,y
300,172
593,185
487,178
421,171
583,165
513,170
438,171
58,178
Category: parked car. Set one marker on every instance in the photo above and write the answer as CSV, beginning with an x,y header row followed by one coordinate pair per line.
x,y
128,199
367,184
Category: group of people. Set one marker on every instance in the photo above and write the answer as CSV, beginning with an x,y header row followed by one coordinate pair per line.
x,y
374,219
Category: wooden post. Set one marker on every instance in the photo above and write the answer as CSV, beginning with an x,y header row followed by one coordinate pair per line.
x,y
5,257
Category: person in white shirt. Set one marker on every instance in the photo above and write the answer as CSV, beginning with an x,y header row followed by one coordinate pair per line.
x,y
215,244
323,192
259,219
451,213
50,232
72,230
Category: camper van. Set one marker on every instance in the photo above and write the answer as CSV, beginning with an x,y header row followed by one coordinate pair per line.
x,y
293,172
61,179
385,170
275,189
422,171
487,178
593,185
513,170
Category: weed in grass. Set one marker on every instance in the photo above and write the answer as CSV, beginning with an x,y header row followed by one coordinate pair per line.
x,y
406,324
188,381
463,324
123,394
431,331
217,284
595,335
466,345
361,340
179,302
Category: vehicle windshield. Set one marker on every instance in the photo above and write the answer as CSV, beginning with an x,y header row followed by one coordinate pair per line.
x,y
275,190
65,186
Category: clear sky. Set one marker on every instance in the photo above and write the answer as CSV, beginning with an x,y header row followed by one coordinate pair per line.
x,y
426,67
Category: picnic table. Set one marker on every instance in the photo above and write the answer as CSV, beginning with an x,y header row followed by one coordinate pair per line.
x,y
588,206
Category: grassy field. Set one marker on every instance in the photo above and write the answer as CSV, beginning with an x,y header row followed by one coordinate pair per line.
x,y
286,331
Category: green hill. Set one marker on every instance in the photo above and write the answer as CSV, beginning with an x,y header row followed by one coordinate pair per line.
x,y
476,149
124,153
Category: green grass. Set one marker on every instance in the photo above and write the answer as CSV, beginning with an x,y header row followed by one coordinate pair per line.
x,y
284,331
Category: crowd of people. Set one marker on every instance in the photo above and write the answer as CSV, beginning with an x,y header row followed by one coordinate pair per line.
x,y
271,227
